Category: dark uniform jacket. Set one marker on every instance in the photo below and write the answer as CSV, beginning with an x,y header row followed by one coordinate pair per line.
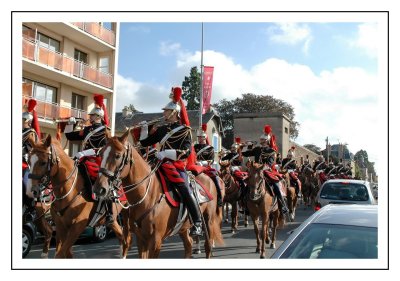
x,y
230,156
317,165
291,165
181,140
207,152
97,140
262,155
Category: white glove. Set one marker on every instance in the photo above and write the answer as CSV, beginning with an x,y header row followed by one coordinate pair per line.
x,y
144,131
71,121
168,153
88,152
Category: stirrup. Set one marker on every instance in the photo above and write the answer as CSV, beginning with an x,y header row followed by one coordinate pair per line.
x,y
196,230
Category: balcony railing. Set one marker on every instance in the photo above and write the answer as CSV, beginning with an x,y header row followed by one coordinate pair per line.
x,y
33,51
98,31
53,111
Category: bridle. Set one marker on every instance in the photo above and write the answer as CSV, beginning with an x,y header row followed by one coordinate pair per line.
x,y
44,180
259,188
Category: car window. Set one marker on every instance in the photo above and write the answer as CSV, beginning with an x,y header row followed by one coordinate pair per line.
x,y
345,191
319,241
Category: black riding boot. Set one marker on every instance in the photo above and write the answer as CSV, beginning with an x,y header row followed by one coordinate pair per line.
x,y
281,202
219,195
109,214
193,208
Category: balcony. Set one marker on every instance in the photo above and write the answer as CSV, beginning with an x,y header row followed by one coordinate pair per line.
x,y
91,35
52,111
97,31
68,66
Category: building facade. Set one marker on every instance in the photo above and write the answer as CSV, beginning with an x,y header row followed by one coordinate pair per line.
x,y
63,65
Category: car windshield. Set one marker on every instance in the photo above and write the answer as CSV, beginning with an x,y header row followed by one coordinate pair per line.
x,y
345,191
330,241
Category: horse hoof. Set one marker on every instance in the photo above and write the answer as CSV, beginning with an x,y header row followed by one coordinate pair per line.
x,y
258,251
262,257
246,224
233,231
272,246
44,255
197,251
226,220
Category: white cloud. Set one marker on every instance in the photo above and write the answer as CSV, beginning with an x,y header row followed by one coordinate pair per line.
x,y
291,34
340,103
367,39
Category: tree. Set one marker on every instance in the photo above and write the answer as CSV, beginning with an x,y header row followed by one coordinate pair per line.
x,y
253,103
191,89
313,148
361,159
132,108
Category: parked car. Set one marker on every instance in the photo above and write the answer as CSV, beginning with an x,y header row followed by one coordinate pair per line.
x,y
344,191
334,232
28,231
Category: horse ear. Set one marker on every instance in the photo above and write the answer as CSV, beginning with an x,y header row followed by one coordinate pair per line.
x,y
47,142
123,139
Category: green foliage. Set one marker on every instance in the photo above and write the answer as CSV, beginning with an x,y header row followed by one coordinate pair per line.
x,y
191,89
362,162
313,148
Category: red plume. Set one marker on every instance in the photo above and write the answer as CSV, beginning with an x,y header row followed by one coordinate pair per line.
x,y
176,94
272,143
98,99
204,128
31,105
237,139
267,129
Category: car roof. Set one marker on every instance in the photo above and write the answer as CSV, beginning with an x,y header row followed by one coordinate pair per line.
x,y
347,181
352,214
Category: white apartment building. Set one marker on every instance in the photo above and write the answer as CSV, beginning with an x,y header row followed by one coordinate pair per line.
x,y
63,65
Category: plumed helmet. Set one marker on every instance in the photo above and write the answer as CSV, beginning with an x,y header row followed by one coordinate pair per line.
x,y
202,132
97,111
267,133
27,116
290,153
175,95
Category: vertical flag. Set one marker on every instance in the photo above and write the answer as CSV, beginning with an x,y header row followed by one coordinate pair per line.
x,y
207,87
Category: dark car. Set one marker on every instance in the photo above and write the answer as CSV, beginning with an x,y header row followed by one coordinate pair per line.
x,y
28,231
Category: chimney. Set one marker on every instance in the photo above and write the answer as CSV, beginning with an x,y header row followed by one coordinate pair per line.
x,y
126,112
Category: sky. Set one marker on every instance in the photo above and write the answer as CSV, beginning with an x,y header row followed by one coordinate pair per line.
x,y
328,71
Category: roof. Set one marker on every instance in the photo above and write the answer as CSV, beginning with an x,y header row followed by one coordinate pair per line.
x,y
352,214
121,122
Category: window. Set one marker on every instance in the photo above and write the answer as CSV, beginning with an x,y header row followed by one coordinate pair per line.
x,y
41,91
286,130
80,56
77,101
104,65
49,43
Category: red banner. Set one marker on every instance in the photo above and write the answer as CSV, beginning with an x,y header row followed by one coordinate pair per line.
x,y
207,87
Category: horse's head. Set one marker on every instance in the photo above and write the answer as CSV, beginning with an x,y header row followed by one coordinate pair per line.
x,y
256,181
43,159
115,157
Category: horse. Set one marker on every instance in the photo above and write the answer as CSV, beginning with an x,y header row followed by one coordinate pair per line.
x,y
291,196
261,205
151,217
309,188
232,194
72,207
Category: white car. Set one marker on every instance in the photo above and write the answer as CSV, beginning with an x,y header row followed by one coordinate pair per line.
x,y
344,191
334,232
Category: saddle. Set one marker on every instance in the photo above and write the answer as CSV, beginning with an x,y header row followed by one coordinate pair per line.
x,y
168,178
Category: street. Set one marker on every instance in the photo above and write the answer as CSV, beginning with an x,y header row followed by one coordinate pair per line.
x,y
241,245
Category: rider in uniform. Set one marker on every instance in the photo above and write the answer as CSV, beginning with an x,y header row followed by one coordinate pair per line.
x,y
94,138
30,132
289,163
265,154
175,141
205,157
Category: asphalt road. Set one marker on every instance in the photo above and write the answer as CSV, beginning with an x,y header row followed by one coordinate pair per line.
x,y
241,245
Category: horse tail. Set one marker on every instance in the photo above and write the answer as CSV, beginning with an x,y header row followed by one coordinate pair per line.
x,y
215,230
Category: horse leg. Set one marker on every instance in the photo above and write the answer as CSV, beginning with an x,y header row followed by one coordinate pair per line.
x,y
256,231
274,225
226,205
46,229
122,238
197,250
234,217
187,243
264,234
70,238
246,220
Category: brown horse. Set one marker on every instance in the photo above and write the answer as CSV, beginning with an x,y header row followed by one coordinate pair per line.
x,y
291,196
309,188
232,194
72,206
261,205
151,217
